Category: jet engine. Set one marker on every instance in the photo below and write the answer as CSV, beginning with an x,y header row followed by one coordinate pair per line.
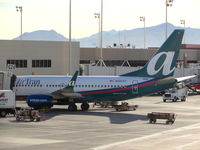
x,y
39,101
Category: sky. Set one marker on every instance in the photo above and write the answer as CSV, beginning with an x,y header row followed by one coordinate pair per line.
x,y
117,14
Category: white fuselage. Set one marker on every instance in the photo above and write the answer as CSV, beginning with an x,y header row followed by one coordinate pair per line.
x,y
29,85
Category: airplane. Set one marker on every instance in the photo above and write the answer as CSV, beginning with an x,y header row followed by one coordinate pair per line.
x,y
155,76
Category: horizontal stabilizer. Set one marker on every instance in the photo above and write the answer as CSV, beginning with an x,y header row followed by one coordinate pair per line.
x,y
180,79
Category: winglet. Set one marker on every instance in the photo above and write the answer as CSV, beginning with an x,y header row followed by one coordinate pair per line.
x,y
72,82
69,89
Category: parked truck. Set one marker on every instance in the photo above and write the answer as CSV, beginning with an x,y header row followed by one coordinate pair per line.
x,y
175,94
7,102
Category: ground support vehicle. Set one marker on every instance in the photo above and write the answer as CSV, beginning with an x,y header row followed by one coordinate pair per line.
x,y
27,114
170,117
7,102
175,94
124,107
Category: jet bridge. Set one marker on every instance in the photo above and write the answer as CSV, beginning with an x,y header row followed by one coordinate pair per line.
x,y
7,80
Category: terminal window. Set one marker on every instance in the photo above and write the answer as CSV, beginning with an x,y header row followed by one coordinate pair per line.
x,y
17,63
41,63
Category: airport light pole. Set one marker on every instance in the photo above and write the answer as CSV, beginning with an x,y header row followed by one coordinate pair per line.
x,y
97,16
143,20
168,4
70,35
101,38
19,9
101,59
183,22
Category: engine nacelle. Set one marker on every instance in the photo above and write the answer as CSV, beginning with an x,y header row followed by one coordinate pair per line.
x,y
38,101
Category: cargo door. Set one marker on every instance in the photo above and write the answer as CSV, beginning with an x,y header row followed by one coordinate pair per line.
x,y
1,80
135,87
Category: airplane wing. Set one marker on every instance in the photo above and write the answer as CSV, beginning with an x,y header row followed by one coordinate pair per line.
x,y
67,91
180,79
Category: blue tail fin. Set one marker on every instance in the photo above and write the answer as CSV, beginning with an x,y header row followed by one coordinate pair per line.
x,y
163,62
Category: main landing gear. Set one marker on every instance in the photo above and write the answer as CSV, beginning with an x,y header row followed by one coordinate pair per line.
x,y
72,107
84,106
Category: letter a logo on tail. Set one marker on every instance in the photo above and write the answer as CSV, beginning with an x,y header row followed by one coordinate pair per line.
x,y
163,62
151,67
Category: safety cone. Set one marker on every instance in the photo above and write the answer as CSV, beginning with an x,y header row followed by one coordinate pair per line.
x,y
43,117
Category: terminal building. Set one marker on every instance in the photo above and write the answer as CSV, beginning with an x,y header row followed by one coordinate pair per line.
x,y
57,58
135,57
39,57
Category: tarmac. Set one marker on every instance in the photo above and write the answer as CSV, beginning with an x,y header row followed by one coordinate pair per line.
x,y
106,129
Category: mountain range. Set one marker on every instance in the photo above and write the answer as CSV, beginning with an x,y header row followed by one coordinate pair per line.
x,y
155,36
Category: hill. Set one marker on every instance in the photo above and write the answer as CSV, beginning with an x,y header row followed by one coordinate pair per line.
x,y
155,36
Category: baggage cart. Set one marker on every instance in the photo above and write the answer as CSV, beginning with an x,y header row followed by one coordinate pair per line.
x,y
27,114
170,117
124,107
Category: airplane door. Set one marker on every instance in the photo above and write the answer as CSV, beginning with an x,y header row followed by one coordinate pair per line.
x,y
135,87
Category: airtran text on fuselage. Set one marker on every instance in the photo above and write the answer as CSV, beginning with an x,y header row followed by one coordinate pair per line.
x,y
28,81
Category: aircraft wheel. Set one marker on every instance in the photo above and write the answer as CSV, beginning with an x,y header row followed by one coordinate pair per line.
x,y
85,106
3,113
175,99
72,107
183,99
